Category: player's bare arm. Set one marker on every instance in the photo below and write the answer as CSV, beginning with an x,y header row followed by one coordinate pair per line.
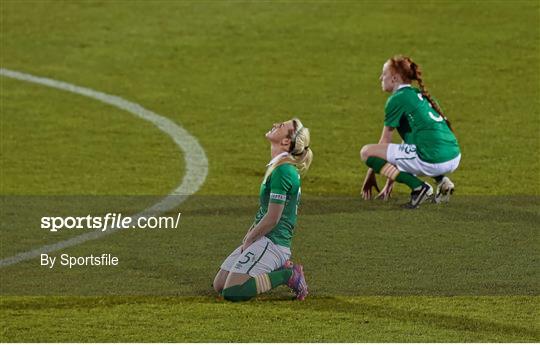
x,y
267,223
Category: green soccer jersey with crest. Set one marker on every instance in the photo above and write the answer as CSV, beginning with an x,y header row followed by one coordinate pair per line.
x,y
281,187
420,124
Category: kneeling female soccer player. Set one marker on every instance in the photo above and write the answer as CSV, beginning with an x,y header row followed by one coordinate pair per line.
x,y
430,147
262,263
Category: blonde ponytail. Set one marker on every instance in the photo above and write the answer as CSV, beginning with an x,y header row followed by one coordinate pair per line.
x,y
301,155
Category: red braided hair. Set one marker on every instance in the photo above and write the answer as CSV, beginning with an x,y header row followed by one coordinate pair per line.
x,y
409,71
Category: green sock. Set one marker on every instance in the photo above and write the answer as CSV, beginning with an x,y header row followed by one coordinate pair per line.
x,y
256,285
375,163
242,292
280,277
410,180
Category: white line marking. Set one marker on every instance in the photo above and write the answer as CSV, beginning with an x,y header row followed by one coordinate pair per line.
x,y
194,156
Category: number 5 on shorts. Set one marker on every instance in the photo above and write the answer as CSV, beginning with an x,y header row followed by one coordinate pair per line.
x,y
248,256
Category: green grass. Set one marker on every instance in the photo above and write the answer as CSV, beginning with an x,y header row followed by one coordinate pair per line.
x,y
76,146
369,319
476,257
225,71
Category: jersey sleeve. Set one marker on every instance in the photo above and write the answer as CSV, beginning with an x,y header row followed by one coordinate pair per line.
x,y
281,183
393,111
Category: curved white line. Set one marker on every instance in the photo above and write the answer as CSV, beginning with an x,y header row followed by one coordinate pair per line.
x,y
194,156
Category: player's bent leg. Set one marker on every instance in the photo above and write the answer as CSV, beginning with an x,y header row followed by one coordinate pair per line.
x,y
373,150
384,168
219,280
242,287
259,268
238,287
234,279
225,269
420,191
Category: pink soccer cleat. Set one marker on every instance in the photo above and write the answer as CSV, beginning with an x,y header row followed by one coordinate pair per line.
x,y
297,282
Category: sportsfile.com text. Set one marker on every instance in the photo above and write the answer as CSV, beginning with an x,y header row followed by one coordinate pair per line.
x,y
108,222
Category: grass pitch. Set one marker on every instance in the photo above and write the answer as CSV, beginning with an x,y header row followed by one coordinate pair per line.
x,y
369,319
466,271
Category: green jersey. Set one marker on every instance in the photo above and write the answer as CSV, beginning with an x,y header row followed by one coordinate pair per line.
x,y
418,123
281,187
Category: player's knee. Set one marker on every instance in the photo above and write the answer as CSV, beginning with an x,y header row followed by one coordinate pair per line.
x,y
364,152
219,283
217,287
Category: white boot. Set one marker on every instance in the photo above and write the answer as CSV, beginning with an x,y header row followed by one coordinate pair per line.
x,y
444,190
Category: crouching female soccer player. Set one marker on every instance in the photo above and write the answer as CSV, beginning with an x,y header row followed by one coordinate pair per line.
x,y
430,147
262,263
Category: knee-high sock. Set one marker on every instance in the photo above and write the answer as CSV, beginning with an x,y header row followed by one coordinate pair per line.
x,y
256,285
384,168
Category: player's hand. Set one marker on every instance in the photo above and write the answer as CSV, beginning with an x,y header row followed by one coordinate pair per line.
x,y
245,245
246,237
387,190
247,241
369,183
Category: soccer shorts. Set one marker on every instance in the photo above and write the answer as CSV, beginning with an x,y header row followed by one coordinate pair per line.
x,y
404,157
262,256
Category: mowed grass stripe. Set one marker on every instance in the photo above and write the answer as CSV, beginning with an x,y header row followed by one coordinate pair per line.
x,y
353,319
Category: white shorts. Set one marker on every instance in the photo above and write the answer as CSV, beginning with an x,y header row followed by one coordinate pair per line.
x,y
404,157
262,256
